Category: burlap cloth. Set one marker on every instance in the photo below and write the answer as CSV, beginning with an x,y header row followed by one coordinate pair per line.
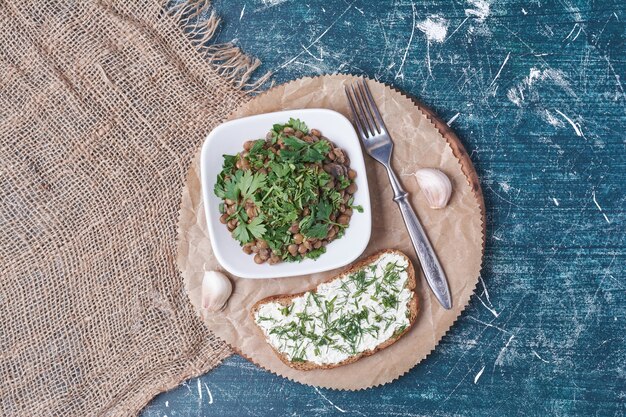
x,y
102,106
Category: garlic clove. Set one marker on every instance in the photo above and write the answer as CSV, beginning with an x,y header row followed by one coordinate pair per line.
x,y
216,290
435,185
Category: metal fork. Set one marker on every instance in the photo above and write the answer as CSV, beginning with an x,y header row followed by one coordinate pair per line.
x,y
378,144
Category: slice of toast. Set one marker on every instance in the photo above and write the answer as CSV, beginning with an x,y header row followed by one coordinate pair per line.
x,y
302,302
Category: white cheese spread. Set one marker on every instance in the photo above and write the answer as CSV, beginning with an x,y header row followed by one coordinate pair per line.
x,y
344,317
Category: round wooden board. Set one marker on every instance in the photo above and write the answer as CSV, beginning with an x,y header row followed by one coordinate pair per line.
x,y
456,232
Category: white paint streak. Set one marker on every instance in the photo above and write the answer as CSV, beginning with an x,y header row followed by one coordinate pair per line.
x,y
319,37
477,377
540,358
430,69
208,391
317,69
341,410
453,118
500,70
310,54
513,96
516,94
580,28
524,12
434,27
552,120
243,9
491,309
457,28
485,289
533,76
167,404
576,26
572,9
489,325
400,74
571,31
480,9
270,3
199,390
500,358
556,76
615,74
556,202
593,194
571,122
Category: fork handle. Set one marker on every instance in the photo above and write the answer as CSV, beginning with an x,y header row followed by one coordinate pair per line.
x,y
433,271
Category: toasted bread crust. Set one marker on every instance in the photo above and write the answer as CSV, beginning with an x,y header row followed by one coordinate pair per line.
x,y
285,299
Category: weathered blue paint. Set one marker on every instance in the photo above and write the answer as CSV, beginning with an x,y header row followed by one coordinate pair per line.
x,y
538,87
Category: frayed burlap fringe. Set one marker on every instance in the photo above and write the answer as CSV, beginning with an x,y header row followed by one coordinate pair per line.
x,y
102,106
228,60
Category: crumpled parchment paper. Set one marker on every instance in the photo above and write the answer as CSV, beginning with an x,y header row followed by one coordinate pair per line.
x,y
456,233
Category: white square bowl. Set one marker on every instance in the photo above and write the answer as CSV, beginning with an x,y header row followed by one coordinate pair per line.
x,y
228,139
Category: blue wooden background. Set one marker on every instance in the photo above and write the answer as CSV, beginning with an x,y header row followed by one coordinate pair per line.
x,y
535,90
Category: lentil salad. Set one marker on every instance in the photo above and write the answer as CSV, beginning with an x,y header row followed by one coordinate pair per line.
x,y
286,197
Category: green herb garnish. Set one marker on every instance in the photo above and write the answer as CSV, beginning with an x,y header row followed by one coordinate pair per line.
x,y
363,309
284,195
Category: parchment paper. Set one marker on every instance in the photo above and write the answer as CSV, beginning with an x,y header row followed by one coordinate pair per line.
x,y
455,232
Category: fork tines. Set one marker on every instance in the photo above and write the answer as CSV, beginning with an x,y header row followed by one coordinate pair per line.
x,y
367,118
